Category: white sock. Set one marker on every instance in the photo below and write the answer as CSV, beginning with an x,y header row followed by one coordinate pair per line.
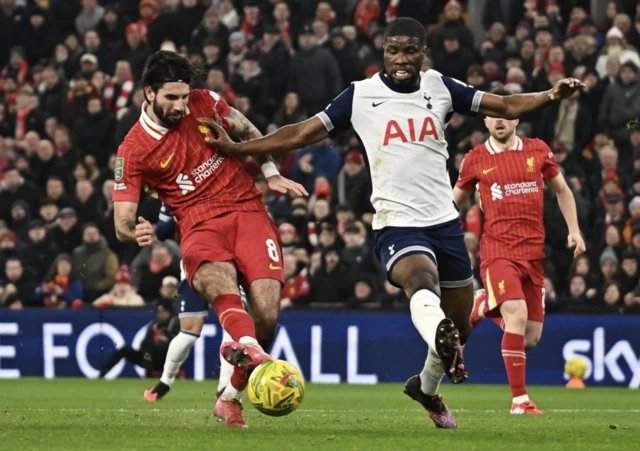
x,y
230,393
520,399
226,369
249,341
176,355
426,314
431,374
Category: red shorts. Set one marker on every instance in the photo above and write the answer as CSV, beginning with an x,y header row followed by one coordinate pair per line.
x,y
247,239
506,280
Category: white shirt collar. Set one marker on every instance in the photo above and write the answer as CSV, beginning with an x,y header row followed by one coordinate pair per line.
x,y
494,147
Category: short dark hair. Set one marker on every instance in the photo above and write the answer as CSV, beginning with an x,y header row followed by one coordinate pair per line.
x,y
405,26
167,67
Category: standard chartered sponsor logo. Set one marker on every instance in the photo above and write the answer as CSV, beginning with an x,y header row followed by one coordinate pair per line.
x,y
513,189
208,167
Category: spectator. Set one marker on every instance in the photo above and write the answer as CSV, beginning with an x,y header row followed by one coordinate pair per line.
x,y
25,118
56,192
9,247
566,126
169,288
237,50
53,93
315,75
331,282
95,264
616,47
290,111
111,27
274,63
620,104
187,17
352,185
320,159
86,202
213,57
130,116
216,83
288,239
393,297
150,268
296,289
118,91
248,80
454,22
103,55
123,293
210,28
59,289
39,36
67,234
48,212
627,276
90,16
454,59
17,286
244,105
39,252
134,51
16,188
94,132
359,257
346,55
46,164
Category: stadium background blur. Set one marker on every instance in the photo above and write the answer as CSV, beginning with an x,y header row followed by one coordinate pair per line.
x,y
69,95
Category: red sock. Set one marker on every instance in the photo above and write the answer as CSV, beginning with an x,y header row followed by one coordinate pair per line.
x,y
239,379
515,362
232,316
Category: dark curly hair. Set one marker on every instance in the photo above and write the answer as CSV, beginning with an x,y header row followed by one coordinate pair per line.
x,y
168,67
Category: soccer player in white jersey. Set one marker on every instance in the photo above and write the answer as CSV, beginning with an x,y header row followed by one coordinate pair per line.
x,y
399,116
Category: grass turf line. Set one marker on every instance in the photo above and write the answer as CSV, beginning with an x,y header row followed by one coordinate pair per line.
x,y
78,414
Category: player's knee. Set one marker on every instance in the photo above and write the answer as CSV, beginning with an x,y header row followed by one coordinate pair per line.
x,y
214,279
420,280
192,325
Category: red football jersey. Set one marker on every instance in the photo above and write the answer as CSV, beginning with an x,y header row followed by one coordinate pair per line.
x,y
511,185
194,180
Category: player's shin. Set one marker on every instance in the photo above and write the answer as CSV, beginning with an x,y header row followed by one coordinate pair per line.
x,y
431,374
234,319
426,315
177,353
513,353
226,369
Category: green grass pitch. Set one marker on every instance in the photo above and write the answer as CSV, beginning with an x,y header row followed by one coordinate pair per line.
x,y
77,414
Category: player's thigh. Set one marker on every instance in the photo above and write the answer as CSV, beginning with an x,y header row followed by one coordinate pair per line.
x,y
206,243
213,279
533,288
193,308
532,334
257,250
454,264
408,259
502,281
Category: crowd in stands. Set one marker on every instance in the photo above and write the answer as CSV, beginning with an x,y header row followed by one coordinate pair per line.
x,y
69,93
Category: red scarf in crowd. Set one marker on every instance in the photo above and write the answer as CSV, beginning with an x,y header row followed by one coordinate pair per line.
x,y
21,123
123,97
22,73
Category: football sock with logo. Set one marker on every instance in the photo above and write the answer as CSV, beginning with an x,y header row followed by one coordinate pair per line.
x,y
176,355
515,362
233,318
426,314
226,369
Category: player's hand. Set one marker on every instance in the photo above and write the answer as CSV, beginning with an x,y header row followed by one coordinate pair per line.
x,y
283,185
145,235
565,88
574,239
221,140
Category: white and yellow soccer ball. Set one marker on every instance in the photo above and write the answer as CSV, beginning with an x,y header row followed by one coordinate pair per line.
x,y
276,388
576,367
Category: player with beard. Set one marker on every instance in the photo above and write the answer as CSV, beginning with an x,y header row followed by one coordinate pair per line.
x,y
399,115
227,237
509,173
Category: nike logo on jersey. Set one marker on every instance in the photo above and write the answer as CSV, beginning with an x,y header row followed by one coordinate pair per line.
x,y
518,364
374,104
274,267
486,171
164,164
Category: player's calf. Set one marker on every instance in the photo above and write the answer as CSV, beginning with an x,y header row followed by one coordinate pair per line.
x,y
264,298
532,334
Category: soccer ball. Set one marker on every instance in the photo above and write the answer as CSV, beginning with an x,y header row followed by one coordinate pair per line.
x,y
276,388
576,367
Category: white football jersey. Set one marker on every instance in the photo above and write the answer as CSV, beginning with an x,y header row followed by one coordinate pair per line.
x,y
402,133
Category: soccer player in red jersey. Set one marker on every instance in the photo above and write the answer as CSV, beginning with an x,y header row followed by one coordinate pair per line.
x,y
509,173
226,234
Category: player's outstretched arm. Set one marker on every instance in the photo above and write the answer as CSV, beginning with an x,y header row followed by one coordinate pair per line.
x,y
287,138
567,204
516,105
